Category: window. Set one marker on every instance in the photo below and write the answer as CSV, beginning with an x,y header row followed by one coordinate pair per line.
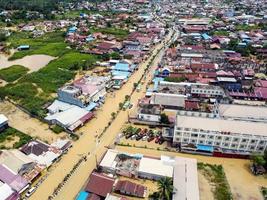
x,y
242,146
211,137
235,139
210,143
233,146
187,129
227,138
219,137
218,143
252,141
244,140
194,135
203,136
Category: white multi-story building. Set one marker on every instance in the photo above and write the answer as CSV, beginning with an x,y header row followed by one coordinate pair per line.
x,y
237,135
208,90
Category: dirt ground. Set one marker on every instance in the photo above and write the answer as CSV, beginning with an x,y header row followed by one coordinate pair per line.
x,y
26,124
244,185
33,62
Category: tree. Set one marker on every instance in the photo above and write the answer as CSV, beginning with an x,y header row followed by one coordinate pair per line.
x,y
165,188
115,55
164,119
258,159
113,115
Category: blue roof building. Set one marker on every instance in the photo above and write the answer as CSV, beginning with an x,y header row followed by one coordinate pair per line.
x,y
122,67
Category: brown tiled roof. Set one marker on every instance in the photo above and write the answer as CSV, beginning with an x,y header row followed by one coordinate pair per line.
x,y
129,188
99,184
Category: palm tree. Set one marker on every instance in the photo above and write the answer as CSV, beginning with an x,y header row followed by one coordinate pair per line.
x,y
165,188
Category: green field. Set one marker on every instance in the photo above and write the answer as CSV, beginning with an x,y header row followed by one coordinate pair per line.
x,y
13,73
50,44
9,134
119,33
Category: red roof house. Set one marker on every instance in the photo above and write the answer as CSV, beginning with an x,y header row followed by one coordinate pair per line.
x,y
131,189
100,184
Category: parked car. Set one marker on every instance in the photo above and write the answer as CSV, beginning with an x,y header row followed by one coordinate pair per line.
x,y
150,138
30,191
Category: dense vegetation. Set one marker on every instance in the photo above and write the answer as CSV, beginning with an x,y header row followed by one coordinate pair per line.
x,y
13,73
215,174
175,79
9,134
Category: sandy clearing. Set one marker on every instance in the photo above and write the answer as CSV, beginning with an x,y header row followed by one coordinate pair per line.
x,y
205,189
26,124
33,62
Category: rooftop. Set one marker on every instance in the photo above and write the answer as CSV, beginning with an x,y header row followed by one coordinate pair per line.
x,y
222,125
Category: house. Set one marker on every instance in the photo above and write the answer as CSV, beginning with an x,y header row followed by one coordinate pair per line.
x,y
100,184
41,152
21,164
131,189
17,183
3,122
68,116
148,112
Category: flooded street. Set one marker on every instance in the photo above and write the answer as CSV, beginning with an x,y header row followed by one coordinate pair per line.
x,y
33,62
87,144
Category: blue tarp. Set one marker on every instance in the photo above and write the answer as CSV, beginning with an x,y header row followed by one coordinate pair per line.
x,y
91,106
206,36
156,82
82,195
205,148
72,29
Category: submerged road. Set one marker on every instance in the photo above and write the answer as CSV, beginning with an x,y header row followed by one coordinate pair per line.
x,y
94,148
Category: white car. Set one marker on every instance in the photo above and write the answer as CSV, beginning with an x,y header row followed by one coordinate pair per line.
x,y
30,191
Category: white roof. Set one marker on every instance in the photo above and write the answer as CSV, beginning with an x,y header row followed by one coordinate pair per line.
x,y
60,143
109,159
14,159
3,118
69,116
58,105
185,179
191,55
46,158
243,111
5,191
155,167
224,125
168,99
228,79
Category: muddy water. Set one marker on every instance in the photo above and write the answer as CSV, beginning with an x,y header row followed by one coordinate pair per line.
x,y
87,143
33,62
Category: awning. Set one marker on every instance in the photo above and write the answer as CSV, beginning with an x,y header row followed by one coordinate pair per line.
x,y
91,106
205,148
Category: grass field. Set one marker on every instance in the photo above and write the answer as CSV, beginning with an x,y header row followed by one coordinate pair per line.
x,y
9,134
49,44
120,33
13,73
